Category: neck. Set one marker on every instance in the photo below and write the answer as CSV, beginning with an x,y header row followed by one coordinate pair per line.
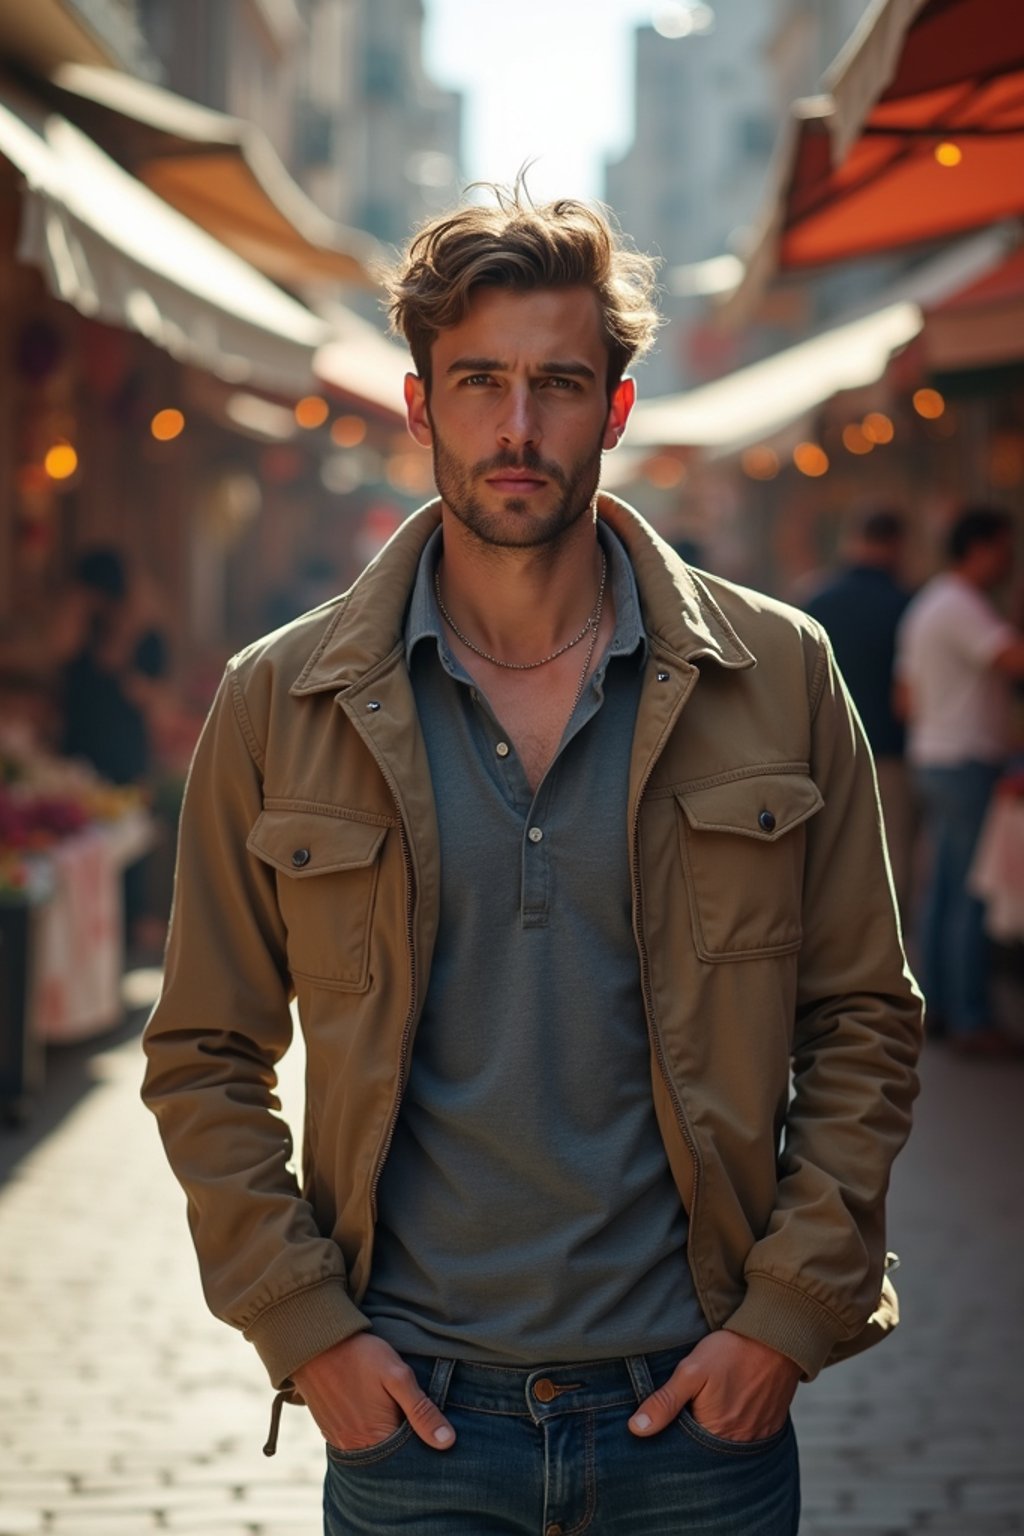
x,y
520,603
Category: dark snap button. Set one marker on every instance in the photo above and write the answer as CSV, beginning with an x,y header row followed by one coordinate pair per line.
x,y
766,821
545,1391
300,857
373,706
662,677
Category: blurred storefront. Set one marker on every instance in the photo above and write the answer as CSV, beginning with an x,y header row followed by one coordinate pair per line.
x,y
913,154
163,401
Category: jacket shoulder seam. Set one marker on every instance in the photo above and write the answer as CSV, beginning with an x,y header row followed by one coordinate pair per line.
x,y
245,723
820,673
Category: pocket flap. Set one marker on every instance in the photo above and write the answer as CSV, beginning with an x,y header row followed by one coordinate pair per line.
x,y
764,805
303,843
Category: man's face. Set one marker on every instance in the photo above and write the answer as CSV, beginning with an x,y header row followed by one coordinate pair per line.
x,y
518,413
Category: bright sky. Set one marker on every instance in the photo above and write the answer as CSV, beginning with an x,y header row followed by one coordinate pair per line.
x,y
550,80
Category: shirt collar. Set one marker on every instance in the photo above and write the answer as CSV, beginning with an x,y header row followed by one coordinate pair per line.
x,y
423,620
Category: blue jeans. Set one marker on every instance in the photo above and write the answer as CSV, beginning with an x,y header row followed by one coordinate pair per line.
x,y
547,1452
954,947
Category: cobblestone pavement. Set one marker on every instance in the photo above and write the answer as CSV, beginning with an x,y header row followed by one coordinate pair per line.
x,y
125,1409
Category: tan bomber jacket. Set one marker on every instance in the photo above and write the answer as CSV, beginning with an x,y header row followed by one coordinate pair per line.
x,y
784,1024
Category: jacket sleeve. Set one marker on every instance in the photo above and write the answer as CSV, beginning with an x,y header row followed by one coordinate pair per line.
x,y
816,1276
212,1044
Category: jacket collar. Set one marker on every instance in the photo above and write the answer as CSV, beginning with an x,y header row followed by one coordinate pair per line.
x,y
679,613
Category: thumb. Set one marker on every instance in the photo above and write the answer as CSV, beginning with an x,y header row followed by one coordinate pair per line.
x,y
426,1418
666,1402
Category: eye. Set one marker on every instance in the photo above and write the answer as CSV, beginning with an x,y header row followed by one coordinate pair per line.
x,y
560,382
477,378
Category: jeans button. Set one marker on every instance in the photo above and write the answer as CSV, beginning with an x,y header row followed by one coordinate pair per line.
x,y
545,1392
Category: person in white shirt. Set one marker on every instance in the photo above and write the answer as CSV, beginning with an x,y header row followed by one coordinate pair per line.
x,y
956,657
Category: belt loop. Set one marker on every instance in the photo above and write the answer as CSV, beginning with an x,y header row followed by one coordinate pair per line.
x,y
640,1376
440,1380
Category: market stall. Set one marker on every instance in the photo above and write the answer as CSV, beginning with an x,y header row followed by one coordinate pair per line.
x,y
66,839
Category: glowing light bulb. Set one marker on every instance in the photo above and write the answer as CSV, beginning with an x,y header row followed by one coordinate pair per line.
x,y
856,440
167,425
811,459
348,431
878,428
929,404
311,411
760,463
61,461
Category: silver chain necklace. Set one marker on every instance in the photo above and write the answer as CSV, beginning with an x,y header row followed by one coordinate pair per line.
x,y
591,627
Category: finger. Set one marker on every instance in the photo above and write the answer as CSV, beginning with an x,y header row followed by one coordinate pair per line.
x,y
665,1403
426,1418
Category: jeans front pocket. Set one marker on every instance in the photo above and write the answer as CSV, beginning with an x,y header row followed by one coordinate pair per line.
x,y
367,1454
689,1425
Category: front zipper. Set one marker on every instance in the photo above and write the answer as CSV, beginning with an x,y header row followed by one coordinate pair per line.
x,y
648,1002
410,935
403,1052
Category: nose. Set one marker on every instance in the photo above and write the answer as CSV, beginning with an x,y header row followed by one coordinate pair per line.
x,y
519,426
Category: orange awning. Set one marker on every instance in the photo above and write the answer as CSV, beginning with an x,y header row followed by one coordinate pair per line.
x,y
919,138
983,324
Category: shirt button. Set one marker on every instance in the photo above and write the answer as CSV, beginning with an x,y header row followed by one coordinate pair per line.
x,y
300,858
535,834
766,821
502,749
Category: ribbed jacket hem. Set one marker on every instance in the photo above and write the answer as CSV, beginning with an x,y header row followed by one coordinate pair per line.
x,y
292,1331
786,1319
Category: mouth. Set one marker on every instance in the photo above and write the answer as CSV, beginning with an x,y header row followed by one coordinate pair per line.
x,y
512,482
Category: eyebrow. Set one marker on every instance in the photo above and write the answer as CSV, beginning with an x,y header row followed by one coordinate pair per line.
x,y
496,365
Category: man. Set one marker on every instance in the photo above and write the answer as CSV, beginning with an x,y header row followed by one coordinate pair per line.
x,y
956,657
860,608
570,855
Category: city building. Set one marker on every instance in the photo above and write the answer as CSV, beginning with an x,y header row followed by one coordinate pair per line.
x,y
713,85
339,88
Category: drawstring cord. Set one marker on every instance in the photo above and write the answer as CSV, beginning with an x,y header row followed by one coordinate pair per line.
x,y
275,1422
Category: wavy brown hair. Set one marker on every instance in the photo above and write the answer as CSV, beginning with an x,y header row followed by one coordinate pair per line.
x,y
515,244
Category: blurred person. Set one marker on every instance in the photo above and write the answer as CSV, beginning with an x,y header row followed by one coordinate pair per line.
x,y
112,673
570,856
861,606
956,658
108,672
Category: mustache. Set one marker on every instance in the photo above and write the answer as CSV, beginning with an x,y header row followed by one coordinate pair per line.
x,y
529,459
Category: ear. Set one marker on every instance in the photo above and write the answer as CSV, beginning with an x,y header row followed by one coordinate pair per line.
x,y
623,401
417,414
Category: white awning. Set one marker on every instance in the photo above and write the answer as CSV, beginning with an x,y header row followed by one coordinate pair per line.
x,y
755,402
118,253
221,172
360,362
752,403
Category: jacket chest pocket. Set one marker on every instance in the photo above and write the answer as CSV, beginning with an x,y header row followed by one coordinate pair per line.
x,y
742,846
327,869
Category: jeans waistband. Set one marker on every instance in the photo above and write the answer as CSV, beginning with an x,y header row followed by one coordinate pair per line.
x,y
540,1391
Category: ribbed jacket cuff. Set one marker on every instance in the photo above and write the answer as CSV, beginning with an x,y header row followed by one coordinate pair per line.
x,y
292,1331
786,1319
